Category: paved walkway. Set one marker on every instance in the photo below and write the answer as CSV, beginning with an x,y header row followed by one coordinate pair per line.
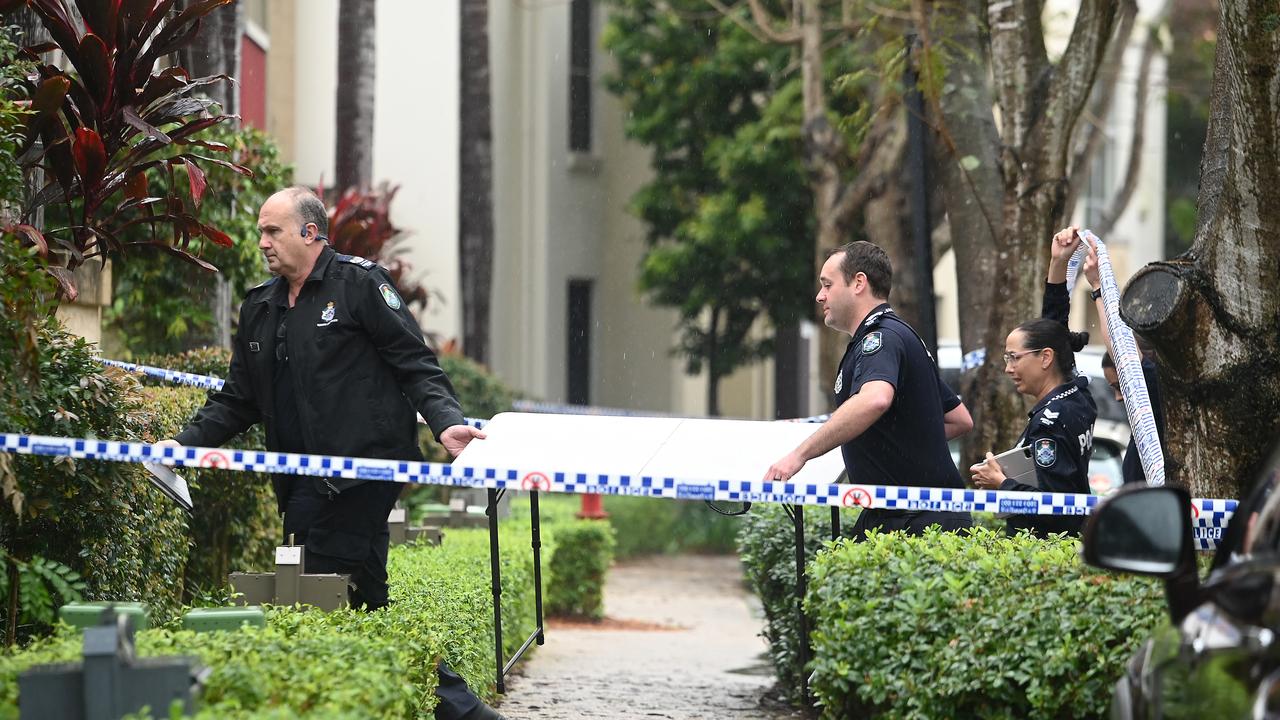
x,y
680,641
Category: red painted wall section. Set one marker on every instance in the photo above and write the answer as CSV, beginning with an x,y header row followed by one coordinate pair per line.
x,y
253,84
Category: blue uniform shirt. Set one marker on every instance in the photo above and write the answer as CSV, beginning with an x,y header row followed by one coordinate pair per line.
x,y
907,446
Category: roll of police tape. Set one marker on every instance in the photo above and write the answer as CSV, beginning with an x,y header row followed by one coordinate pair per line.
x,y
1209,516
1133,385
207,382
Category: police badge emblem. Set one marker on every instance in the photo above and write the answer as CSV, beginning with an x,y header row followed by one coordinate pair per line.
x,y
871,343
1046,452
327,317
389,296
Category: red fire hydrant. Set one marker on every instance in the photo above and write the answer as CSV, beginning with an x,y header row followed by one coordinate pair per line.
x,y
592,507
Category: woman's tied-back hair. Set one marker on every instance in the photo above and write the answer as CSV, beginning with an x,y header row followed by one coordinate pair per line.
x,y
870,260
1044,333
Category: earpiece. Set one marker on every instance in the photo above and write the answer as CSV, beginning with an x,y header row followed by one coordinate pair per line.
x,y
304,231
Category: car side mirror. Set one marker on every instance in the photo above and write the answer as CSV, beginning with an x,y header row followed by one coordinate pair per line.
x,y
1143,530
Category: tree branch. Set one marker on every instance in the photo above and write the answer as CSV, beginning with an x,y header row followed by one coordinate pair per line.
x,y
1122,198
1072,82
761,35
1108,78
764,20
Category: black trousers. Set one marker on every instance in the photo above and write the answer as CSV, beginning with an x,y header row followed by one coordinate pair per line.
x,y
912,522
347,534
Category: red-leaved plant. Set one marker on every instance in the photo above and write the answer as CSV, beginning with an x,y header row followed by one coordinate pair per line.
x,y
97,128
360,224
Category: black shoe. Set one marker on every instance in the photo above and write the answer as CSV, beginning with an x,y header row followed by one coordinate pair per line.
x,y
483,712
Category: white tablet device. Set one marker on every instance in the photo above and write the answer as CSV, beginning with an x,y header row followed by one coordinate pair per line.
x,y
1019,466
171,484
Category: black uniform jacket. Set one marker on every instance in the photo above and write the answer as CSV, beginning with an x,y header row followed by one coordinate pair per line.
x,y
358,361
1060,434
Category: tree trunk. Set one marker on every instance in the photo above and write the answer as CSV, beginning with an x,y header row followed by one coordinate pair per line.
x,y
475,177
1005,193
1213,314
353,151
215,50
713,372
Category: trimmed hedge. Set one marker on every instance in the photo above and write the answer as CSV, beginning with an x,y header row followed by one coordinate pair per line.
x,y
977,625
583,553
347,663
766,544
983,626
652,526
235,525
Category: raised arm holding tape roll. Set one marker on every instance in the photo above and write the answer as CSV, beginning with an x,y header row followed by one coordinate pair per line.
x,y
330,361
1040,359
1132,468
895,413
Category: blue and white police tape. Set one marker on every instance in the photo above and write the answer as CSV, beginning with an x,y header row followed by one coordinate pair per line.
x,y
1133,385
207,382
1210,516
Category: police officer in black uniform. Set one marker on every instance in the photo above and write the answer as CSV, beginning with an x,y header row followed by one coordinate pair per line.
x,y
895,413
1040,359
330,361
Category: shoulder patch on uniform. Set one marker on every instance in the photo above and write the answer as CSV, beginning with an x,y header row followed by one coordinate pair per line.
x,y
356,260
389,296
839,381
871,343
1046,452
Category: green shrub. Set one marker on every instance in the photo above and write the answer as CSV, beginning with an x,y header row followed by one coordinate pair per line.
x,y
101,519
578,566
981,626
347,664
235,525
766,544
654,526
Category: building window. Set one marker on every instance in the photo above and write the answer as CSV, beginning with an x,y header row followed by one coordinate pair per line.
x,y
579,342
580,43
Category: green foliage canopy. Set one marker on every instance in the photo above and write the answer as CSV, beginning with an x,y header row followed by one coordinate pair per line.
x,y
728,212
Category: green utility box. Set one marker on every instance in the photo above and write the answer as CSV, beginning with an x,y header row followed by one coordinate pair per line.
x,y
81,615
223,618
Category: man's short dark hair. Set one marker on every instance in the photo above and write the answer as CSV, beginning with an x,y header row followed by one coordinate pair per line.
x,y
310,208
870,260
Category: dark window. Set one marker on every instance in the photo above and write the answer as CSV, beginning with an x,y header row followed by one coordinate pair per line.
x,y
580,76
579,339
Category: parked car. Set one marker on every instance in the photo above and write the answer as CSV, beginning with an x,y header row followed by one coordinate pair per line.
x,y
1110,432
1218,658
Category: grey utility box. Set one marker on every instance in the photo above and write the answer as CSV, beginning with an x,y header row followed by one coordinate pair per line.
x,y
397,524
110,682
291,584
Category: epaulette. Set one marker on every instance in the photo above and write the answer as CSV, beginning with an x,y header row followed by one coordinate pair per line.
x,y
355,260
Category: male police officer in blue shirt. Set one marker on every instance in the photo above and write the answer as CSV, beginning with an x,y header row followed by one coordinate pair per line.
x,y
330,361
895,413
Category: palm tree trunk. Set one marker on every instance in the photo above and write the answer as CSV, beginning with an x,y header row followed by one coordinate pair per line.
x,y
357,41
475,178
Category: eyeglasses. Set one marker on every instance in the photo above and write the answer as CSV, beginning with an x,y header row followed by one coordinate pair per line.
x,y
282,348
1013,357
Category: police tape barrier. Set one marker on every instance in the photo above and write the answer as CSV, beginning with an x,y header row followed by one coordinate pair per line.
x,y
207,382
1209,516
1133,385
